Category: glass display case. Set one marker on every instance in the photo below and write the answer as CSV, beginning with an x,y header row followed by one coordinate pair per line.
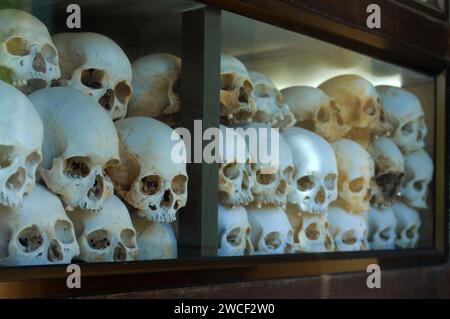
x,y
177,142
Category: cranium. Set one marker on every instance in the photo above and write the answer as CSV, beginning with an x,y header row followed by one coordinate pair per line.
x,y
155,240
315,175
408,225
316,112
389,170
97,66
148,177
234,232
107,235
271,108
356,172
419,173
38,233
156,84
80,141
272,233
405,114
382,228
236,87
311,231
28,57
348,230
21,135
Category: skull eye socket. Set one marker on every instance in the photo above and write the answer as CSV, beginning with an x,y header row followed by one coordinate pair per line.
x,y
280,99
410,232
18,46
227,82
234,237
99,239
407,129
312,231
273,240
369,108
288,172
265,179
122,92
418,185
349,237
356,185
231,171
150,184
63,231
5,156
179,184
30,239
32,159
385,234
261,90
176,87
330,181
77,167
50,54
127,238
323,115
306,183
92,78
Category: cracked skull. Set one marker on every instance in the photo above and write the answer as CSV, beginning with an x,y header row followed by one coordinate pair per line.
x,y
408,225
107,235
149,178
28,57
382,228
21,136
234,232
38,233
316,173
80,141
97,66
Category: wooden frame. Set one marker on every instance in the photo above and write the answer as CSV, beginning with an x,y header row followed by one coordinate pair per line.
x,y
201,63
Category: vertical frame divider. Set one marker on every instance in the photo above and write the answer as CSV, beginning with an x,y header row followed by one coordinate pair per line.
x,y
200,96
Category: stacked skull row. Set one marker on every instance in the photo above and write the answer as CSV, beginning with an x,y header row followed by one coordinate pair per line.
x,y
353,169
74,184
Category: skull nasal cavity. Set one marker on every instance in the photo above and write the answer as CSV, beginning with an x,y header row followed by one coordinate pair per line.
x,y
54,252
107,100
39,63
243,96
320,196
16,180
120,253
167,199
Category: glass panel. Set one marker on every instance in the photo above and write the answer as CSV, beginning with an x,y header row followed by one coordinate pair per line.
x,y
354,158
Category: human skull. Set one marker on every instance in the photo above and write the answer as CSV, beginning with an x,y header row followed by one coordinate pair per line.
x,y
316,112
234,232
156,84
80,141
155,240
273,168
382,228
404,113
271,233
107,235
28,57
97,66
149,178
316,173
21,135
356,173
311,231
271,109
408,225
236,87
419,173
235,181
348,230
38,233
389,171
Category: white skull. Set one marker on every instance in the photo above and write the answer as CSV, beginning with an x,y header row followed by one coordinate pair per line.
x,y
382,228
236,87
389,170
405,114
271,233
107,235
80,141
316,112
311,231
271,109
234,232
155,240
273,167
356,174
419,170
348,230
21,135
97,66
156,84
28,57
316,173
235,181
408,225
148,177
38,233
